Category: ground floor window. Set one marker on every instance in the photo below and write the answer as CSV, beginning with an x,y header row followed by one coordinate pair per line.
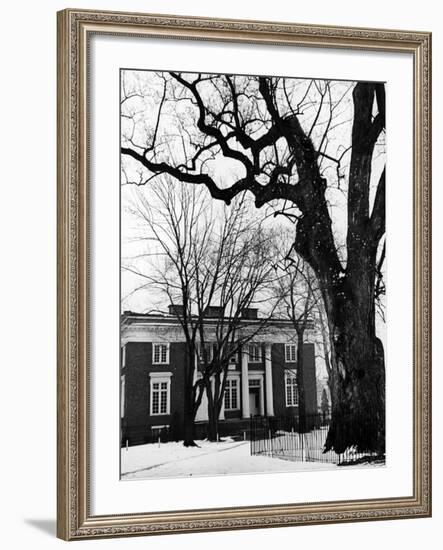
x,y
231,394
160,394
291,389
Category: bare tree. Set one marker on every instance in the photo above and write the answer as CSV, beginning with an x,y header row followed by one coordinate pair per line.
x,y
212,266
244,282
306,147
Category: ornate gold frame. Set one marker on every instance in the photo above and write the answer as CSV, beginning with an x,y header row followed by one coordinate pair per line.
x,y
74,518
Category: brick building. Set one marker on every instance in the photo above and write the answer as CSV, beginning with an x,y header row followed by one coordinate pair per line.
x,y
261,377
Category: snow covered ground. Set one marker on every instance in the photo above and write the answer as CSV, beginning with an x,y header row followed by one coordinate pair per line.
x,y
208,459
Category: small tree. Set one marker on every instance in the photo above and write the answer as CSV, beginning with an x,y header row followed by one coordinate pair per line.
x,y
245,281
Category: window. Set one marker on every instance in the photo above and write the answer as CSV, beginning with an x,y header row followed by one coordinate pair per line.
x,y
209,352
291,389
231,394
233,354
254,353
160,394
290,353
159,398
160,354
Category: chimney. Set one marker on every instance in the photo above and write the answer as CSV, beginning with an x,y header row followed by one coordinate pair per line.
x,y
249,313
214,311
176,309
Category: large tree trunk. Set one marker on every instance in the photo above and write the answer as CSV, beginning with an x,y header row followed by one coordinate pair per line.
x,y
326,346
357,355
358,381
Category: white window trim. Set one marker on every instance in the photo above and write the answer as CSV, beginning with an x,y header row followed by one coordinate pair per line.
x,y
159,377
167,353
286,353
291,374
237,380
124,356
260,354
159,427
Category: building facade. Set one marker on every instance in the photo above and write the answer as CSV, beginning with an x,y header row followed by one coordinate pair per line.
x,y
261,377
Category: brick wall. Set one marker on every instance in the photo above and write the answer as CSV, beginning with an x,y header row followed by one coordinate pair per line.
x,y
137,422
278,379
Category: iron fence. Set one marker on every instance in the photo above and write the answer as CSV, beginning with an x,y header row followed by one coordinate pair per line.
x,y
289,438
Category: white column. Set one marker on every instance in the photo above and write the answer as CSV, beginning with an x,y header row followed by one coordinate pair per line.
x,y
262,397
244,383
222,409
268,379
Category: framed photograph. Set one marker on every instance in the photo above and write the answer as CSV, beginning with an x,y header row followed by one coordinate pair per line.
x,y
243,274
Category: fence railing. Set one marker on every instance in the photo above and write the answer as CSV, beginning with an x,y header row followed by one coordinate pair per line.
x,y
290,438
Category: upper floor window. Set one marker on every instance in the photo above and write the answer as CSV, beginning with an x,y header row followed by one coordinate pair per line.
x,y
205,351
230,353
254,353
290,353
233,354
160,354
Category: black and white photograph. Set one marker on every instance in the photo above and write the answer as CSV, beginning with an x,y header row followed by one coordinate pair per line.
x,y
253,263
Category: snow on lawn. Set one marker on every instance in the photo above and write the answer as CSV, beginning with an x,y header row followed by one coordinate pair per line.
x,y
225,457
